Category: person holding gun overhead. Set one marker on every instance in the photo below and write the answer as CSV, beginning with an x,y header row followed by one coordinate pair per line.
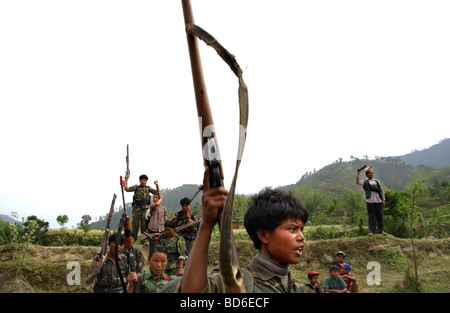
x,y
375,200
141,202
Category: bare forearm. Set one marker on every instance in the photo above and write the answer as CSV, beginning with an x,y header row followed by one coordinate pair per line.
x,y
195,272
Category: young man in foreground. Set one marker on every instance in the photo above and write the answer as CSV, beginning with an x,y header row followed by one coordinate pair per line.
x,y
274,222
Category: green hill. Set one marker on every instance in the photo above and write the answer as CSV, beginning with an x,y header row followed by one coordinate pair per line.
x,y
333,188
340,176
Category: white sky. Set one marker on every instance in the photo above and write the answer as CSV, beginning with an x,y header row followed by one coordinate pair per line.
x,y
79,80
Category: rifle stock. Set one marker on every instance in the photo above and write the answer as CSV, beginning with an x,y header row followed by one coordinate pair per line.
x,y
101,253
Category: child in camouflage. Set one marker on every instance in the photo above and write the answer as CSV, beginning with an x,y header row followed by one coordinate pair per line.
x,y
152,280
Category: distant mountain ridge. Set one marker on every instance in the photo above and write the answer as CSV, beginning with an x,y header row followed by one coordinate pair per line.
x,y
435,156
431,164
338,177
9,219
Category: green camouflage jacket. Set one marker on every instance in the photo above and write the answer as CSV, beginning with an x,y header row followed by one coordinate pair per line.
x,y
108,278
176,249
190,232
141,195
149,284
139,259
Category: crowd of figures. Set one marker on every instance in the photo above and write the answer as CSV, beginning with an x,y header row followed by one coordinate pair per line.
x,y
177,260
168,249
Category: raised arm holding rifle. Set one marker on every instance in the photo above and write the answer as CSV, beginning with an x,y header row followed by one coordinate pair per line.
x,y
375,199
229,263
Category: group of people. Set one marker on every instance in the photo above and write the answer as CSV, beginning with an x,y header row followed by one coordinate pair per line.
x,y
168,249
274,221
339,281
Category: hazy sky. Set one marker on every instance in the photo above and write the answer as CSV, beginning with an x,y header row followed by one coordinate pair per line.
x,y
79,80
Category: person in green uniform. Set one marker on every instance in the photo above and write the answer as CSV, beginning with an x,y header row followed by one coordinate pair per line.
x,y
141,201
153,279
138,257
183,217
274,221
108,280
176,249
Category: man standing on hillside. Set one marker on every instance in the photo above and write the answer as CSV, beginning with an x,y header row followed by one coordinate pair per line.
x,y
375,200
141,201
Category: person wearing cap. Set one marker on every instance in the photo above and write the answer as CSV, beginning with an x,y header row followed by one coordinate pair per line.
x,y
349,279
314,282
334,283
141,201
340,255
375,200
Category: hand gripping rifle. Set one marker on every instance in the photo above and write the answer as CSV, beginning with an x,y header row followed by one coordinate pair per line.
x,y
101,253
229,264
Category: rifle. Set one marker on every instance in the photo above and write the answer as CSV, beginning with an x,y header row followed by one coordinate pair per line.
x,y
362,167
125,223
145,235
129,248
127,172
176,229
229,263
200,188
116,252
101,253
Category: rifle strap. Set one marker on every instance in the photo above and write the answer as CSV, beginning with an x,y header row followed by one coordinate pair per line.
x,y
227,243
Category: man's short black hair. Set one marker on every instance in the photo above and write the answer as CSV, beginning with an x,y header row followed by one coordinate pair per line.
x,y
268,209
143,176
169,223
185,200
112,238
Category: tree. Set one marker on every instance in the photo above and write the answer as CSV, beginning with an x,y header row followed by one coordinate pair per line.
x,y
85,219
312,201
240,207
41,227
416,191
353,200
397,208
62,219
